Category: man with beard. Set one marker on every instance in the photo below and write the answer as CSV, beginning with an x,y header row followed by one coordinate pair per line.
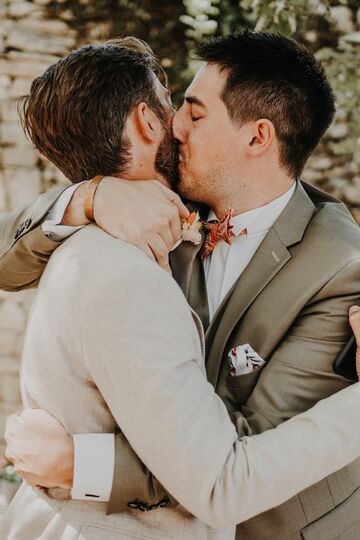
x,y
248,148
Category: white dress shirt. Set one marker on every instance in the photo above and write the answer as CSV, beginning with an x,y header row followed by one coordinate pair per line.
x,y
227,262
52,227
94,454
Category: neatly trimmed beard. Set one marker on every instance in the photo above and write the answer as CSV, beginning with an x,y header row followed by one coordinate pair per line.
x,y
167,158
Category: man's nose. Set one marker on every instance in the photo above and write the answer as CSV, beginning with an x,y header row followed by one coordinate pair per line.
x,y
178,128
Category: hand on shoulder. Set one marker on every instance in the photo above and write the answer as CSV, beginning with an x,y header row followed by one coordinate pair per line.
x,y
144,213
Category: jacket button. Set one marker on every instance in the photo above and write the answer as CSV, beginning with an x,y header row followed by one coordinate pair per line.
x,y
134,505
18,232
138,505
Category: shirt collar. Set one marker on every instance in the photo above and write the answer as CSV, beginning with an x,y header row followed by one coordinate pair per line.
x,y
259,220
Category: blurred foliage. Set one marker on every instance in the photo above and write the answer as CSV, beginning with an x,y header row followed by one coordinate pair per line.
x,y
282,16
343,68
173,28
8,473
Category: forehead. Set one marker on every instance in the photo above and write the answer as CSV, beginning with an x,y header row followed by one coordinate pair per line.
x,y
207,84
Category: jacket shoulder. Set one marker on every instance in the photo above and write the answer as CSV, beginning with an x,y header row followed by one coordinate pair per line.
x,y
333,223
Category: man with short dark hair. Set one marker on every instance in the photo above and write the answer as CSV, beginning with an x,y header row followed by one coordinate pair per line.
x,y
274,291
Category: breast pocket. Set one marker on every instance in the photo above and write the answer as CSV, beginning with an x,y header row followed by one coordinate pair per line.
x,y
240,387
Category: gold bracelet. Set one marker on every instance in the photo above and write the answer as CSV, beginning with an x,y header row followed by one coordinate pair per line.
x,y
89,197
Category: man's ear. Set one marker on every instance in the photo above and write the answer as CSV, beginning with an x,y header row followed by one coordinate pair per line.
x,y
261,134
147,123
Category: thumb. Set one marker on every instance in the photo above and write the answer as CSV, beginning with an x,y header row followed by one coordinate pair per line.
x,y
175,199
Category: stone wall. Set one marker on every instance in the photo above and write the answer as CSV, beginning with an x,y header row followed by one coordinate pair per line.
x,y
29,42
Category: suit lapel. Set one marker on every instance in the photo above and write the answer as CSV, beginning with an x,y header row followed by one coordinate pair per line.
x,y
270,258
188,271
182,262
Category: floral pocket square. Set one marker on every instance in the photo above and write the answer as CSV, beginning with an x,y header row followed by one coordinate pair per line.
x,y
243,359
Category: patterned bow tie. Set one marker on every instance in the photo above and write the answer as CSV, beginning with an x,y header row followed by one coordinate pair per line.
x,y
217,230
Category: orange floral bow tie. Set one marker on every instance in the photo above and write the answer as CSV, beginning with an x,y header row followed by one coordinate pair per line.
x,y
217,230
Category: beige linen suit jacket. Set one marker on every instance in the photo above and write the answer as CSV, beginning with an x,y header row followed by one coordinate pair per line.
x,y
291,305
111,341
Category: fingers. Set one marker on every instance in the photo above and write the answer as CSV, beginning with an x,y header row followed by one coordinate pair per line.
x,y
155,247
175,199
167,238
167,225
173,212
30,479
159,250
12,436
12,425
145,248
174,224
10,455
146,214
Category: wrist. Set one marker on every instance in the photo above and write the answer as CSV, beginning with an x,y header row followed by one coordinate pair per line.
x,y
90,195
67,466
101,197
74,215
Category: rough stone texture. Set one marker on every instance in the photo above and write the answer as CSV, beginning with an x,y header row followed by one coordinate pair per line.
x,y
29,43
3,202
24,184
21,9
342,17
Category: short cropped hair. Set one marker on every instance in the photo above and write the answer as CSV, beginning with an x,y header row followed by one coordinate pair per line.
x,y
76,111
271,76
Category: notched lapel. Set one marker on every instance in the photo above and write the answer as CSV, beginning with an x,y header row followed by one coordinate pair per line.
x,y
270,258
187,269
182,261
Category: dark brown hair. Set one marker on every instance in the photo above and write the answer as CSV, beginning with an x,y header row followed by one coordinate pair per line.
x,y
76,111
271,76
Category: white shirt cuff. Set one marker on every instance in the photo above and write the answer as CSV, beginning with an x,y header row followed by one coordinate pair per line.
x,y
51,226
94,461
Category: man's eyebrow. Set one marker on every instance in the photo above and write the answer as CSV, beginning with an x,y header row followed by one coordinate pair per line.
x,y
195,101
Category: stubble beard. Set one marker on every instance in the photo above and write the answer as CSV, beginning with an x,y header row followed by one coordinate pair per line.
x,y
167,159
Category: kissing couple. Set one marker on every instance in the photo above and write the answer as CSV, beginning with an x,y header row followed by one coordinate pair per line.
x,y
192,399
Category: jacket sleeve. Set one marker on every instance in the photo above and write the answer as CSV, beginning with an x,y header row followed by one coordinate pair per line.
x,y
300,371
24,249
146,362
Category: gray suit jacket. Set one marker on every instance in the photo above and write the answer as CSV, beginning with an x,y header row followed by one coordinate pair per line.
x,y
291,304
293,312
